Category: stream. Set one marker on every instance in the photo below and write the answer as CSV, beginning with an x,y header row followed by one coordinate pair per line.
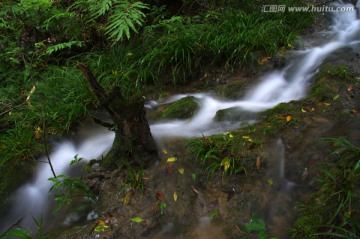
x,y
290,83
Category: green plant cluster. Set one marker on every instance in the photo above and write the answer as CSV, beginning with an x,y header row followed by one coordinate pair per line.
x,y
333,211
224,152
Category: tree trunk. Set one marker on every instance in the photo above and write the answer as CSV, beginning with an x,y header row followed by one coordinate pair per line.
x,y
133,142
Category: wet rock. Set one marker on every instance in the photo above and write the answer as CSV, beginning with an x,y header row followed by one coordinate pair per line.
x,y
182,109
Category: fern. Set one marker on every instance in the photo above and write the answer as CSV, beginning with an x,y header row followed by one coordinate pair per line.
x,y
61,46
100,7
124,18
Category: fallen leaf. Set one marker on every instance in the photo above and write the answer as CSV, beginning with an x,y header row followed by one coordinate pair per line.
x,y
175,196
181,170
160,196
137,219
312,109
100,228
304,110
171,159
100,222
226,163
270,181
38,132
246,137
264,60
231,136
350,88
164,151
327,104
353,111
258,163
126,200
336,97
288,118
169,169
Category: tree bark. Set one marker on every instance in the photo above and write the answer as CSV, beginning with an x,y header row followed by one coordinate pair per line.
x,y
133,144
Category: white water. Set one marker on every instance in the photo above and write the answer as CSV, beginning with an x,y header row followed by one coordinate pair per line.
x,y
31,200
276,87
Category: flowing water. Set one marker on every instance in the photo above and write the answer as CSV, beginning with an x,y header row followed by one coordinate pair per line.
x,y
290,83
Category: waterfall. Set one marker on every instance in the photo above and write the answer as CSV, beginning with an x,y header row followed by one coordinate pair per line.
x,y
290,83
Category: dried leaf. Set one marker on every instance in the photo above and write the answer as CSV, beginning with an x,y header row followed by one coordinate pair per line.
x,y
264,60
353,111
137,219
171,159
100,222
160,196
288,118
181,170
350,88
258,163
175,196
169,169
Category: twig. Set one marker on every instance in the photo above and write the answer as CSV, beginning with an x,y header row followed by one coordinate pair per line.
x,y
47,151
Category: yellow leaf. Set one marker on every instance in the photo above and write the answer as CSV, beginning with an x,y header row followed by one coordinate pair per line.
x,y
336,97
270,181
164,151
226,163
353,111
304,110
250,140
312,109
230,135
181,170
38,132
258,163
171,159
126,200
246,137
327,104
175,196
288,118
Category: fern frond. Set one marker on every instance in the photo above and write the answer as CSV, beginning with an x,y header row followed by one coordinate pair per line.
x,y
52,49
124,18
99,8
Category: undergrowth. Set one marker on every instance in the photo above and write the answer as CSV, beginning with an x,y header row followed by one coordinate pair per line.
x,y
333,211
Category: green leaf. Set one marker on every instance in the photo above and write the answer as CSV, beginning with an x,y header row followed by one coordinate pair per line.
x,y
137,219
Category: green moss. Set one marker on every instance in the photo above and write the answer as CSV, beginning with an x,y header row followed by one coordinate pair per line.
x,y
234,90
306,226
181,109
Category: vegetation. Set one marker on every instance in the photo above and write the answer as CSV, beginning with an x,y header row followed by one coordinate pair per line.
x,y
228,152
333,211
126,43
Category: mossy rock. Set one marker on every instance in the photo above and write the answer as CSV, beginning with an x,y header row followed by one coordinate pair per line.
x,y
182,109
234,114
234,90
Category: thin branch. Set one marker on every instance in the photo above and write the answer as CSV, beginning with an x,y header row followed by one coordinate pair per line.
x,y
47,151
